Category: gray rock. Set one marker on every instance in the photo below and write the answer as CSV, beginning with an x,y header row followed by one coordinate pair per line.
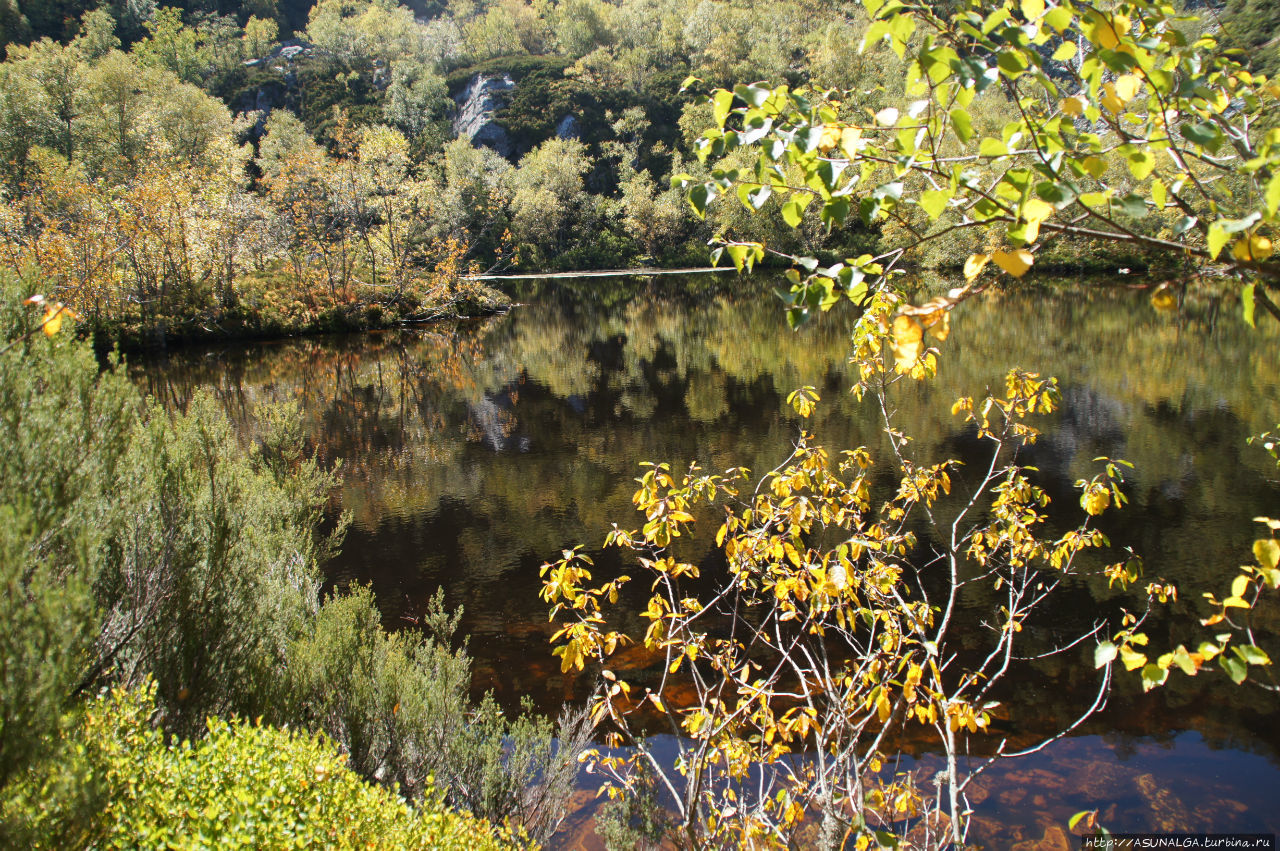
x,y
477,104
568,128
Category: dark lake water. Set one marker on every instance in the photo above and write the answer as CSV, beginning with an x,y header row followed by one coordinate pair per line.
x,y
472,453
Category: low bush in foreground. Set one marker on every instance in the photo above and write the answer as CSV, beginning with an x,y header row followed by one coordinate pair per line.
x,y
244,785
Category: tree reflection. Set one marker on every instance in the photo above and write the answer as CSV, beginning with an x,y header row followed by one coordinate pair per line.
x,y
471,453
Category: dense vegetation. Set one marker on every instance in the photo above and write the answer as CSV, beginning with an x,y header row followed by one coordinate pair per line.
x,y
174,172
152,553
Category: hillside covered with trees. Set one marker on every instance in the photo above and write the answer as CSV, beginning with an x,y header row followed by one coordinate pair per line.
x,y
212,170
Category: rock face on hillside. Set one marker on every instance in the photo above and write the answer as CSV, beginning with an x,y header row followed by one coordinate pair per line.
x,y
568,128
484,95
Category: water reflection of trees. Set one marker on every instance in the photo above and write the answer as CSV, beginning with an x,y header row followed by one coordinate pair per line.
x,y
472,453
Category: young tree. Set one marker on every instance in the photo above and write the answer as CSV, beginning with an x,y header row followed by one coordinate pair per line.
x,y
549,199
843,622
1121,128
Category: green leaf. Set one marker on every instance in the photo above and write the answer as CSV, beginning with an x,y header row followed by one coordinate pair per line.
x,y
1011,62
990,147
1153,675
700,195
1059,18
962,124
753,197
754,95
1235,668
934,202
1273,193
1159,194
1252,654
835,211
1203,134
1246,302
793,210
1237,225
1132,205
1182,659
721,102
1217,239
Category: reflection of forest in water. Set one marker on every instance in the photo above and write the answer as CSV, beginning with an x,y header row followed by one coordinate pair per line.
x,y
471,454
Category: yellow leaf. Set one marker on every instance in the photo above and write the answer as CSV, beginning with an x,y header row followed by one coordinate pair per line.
x,y
1117,94
851,141
938,324
1035,212
830,138
1096,500
906,341
883,707
52,320
1015,262
1251,248
1127,87
1109,98
1032,9
1074,105
1267,552
1107,34
1132,659
1163,299
974,265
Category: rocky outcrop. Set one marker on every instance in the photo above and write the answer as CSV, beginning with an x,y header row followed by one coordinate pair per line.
x,y
484,95
568,128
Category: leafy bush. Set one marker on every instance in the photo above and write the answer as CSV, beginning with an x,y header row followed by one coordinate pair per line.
x,y
63,430
400,707
244,785
139,546
210,567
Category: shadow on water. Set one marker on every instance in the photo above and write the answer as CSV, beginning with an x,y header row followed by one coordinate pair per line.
x,y
472,453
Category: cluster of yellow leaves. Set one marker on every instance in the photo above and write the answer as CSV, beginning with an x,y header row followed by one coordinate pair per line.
x,y
54,314
909,327
1235,658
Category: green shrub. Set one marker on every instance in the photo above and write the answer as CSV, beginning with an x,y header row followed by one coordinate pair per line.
x,y
63,429
136,542
400,707
139,546
210,567
243,785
